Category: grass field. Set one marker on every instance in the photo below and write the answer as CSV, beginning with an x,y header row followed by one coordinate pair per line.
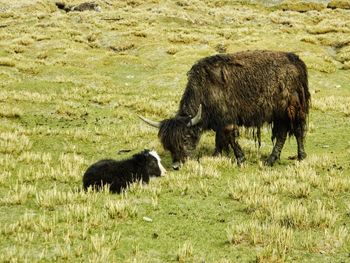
x,y
71,86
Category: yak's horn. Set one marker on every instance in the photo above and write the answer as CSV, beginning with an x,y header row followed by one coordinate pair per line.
x,y
150,122
196,119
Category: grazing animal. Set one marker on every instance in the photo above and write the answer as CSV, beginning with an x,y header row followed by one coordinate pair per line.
x,y
87,6
249,89
119,174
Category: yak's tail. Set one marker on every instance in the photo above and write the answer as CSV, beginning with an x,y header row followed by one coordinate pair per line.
x,y
299,105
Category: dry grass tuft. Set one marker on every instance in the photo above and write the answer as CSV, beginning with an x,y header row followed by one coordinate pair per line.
x,y
321,217
182,38
14,143
239,190
10,112
122,47
172,50
300,6
185,252
277,240
18,195
120,209
333,103
294,215
7,62
344,4
35,157
206,168
24,41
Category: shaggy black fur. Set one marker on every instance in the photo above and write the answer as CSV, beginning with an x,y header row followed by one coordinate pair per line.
x,y
247,89
119,174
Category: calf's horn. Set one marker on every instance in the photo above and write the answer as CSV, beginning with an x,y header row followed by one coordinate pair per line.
x,y
150,122
196,119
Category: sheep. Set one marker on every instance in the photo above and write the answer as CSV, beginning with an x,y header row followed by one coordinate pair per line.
x,y
120,174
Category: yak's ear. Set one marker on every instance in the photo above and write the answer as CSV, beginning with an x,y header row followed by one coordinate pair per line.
x,y
140,157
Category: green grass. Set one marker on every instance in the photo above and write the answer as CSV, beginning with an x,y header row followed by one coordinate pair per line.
x,y
70,91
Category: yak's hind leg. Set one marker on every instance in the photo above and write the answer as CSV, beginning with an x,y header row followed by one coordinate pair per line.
x,y
297,117
299,133
237,151
301,151
279,132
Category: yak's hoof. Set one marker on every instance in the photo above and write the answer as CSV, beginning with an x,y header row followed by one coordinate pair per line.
x,y
270,161
240,161
217,153
301,156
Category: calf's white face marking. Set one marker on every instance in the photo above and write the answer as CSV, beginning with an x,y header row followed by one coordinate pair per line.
x,y
162,169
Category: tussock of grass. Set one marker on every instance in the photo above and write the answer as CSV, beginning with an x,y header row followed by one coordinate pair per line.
x,y
333,103
14,143
172,50
346,65
322,217
33,157
301,6
18,195
121,210
10,112
264,234
327,29
7,62
23,95
202,169
344,4
17,49
50,199
294,215
323,64
24,41
344,54
185,252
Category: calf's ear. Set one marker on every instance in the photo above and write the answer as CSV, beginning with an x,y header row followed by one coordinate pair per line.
x,y
140,157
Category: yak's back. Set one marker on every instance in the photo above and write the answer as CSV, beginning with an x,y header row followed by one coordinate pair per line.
x,y
249,70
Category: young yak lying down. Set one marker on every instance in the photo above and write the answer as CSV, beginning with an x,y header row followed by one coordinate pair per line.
x,y
120,174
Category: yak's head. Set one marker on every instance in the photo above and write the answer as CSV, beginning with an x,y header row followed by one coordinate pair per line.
x,y
152,162
179,135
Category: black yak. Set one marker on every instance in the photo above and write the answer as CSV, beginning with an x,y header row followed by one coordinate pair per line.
x,y
249,89
119,174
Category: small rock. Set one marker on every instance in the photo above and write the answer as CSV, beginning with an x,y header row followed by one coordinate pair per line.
x,y
147,219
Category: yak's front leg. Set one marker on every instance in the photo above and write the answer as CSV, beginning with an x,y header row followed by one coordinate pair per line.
x,y
228,137
222,143
279,131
